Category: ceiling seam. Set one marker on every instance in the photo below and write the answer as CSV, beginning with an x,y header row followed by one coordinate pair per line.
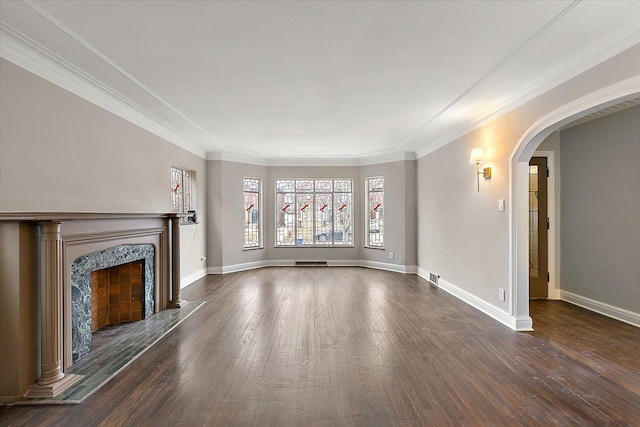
x,y
491,71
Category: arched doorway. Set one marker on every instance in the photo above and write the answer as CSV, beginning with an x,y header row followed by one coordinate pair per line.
x,y
518,185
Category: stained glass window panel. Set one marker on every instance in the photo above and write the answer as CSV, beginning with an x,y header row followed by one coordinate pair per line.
x,y
252,216
304,211
324,185
343,224
285,185
375,215
180,192
285,219
324,207
304,185
343,185
307,215
534,265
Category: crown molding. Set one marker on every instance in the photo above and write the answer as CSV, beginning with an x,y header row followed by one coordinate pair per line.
x,y
239,157
29,55
198,134
266,160
26,54
626,36
386,157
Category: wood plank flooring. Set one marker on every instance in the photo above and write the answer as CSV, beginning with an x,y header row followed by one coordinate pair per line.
x,y
354,346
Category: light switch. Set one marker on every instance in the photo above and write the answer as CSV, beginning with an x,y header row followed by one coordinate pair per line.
x,y
501,205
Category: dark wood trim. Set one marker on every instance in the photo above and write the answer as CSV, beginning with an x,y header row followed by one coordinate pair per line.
x,y
68,216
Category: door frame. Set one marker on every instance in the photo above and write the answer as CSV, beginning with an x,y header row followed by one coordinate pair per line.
x,y
553,235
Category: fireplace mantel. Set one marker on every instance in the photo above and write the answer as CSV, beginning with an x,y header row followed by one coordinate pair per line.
x,y
69,216
64,237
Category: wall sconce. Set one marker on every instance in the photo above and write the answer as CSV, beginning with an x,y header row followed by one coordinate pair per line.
x,y
477,157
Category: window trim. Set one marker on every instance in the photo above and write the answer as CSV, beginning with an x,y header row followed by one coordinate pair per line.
x,y
332,245
367,219
260,215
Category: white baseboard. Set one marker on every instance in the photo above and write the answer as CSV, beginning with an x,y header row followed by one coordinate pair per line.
x,y
423,273
280,263
186,281
488,309
344,263
406,269
605,309
517,324
411,269
235,268
397,268
243,267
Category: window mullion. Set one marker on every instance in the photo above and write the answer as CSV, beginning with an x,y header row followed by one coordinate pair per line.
x,y
295,216
333,222
182,193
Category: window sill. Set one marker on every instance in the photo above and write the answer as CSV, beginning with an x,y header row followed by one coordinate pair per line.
x,y
374,247
253,248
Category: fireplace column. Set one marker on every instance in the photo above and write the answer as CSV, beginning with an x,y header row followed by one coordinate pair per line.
x,y
51,302
52,379
175,261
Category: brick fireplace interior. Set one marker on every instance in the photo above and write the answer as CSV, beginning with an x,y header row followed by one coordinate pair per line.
x,y
117,294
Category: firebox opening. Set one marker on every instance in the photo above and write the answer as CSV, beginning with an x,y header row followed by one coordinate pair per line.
x,y
117,295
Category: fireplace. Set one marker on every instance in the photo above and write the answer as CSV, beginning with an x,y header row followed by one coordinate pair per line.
x,y
116,295
109,287
72,245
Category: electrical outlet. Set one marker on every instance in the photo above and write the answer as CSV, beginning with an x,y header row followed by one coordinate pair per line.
x,y
501,294
390,255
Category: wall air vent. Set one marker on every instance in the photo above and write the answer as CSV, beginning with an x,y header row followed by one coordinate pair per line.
x,y
311,263
433,278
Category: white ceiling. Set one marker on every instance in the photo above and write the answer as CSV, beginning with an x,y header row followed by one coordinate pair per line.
x,y
312,79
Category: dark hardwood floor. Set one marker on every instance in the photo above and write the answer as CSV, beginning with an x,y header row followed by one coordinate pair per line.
x,y
354,346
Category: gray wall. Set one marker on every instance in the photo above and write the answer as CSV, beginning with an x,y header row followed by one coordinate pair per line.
x,y
225,219
60,153
600,202
215,225
461,234
399,212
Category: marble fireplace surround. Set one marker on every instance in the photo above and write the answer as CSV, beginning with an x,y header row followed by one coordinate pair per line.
x,y
81,268
66,237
